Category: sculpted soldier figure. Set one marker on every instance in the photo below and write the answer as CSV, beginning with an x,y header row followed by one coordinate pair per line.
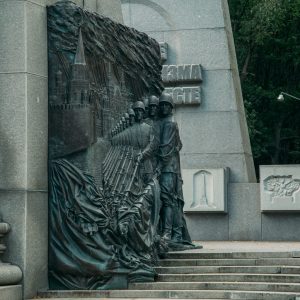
x,y
143,141
172,220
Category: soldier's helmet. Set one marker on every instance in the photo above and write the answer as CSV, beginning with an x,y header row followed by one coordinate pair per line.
x,y
166,98
131,112
123,120
138,104
153,100
146,102
126,116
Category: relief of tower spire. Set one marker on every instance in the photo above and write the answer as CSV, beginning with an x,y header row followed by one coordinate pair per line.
x,y
80,56
79,84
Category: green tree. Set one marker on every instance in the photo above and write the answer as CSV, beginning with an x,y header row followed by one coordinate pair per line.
x,y
267,38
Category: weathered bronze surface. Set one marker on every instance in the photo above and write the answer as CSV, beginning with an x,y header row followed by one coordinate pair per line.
x,y
115,182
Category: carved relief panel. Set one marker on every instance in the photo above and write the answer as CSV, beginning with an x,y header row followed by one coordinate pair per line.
x,y
205,190
280,188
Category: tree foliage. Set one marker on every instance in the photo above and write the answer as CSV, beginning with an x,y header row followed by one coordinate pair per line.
x,y
267,37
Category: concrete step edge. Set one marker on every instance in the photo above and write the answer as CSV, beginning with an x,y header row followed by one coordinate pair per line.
x,y
147,294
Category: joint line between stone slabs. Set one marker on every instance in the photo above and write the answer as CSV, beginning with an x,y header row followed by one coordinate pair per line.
x,y
23,190
23,72
187,29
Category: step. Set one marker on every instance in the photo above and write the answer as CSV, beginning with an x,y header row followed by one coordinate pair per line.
x,y
230,262
240,286
229,269
227,277
167,294
231,255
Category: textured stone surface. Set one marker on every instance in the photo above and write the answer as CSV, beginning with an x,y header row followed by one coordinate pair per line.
x,y
207,47
12,54
111,9
13,131
27,243
37,132
36,252
244,212
13,292
9,274
36,39
205,190
236,163
280,188
280,227
157,16
90,5
208,227
213,132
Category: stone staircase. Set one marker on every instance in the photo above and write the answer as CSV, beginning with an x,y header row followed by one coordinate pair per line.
x,y
203,275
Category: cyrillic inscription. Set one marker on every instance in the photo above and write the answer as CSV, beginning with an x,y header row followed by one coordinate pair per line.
x,y
185,95
181,73
183,83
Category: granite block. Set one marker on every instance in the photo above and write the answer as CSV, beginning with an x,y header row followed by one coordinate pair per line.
x,y
39,2
27,242
158,36
90,5
280,188
12,37
207,47
250,168
156,15
37,133
111,9
244,212
13,122
13,212
36,254
217,93
36,39
213,132
208,227
245,133
126,8
205,190
12,292
282,226
235,162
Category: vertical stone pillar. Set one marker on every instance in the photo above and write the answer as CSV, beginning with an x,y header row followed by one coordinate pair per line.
x,y
24,137
24,132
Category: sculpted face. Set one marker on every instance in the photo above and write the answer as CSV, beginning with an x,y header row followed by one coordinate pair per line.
x,y
139,114
153,111
131,119
165,108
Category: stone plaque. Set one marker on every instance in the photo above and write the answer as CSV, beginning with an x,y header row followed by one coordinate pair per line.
x,y
205,190
280,188
183,82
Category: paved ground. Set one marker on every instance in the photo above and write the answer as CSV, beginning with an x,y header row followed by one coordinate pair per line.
x,y
225,246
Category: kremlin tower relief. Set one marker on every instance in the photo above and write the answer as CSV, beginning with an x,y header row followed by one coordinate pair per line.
x,y
85,98
79,84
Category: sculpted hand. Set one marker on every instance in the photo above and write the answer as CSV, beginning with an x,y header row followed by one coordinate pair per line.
x,y
123,229
139,157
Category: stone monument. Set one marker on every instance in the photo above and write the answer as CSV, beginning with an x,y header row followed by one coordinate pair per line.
x,y
115,194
